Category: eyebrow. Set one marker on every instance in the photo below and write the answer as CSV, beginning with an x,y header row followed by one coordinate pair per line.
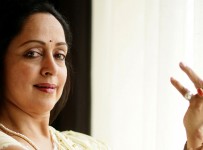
x,y
42,43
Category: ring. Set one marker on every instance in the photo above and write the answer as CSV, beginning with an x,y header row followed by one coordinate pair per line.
x,y
188,95
200,92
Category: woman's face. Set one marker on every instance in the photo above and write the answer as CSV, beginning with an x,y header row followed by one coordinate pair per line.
x,y
35,70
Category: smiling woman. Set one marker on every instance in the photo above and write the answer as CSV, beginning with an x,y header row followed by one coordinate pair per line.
x,y
39,64
35,78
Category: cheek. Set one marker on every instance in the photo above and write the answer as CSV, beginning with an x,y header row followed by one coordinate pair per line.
x,y
22,71
17,79
63,76
19,74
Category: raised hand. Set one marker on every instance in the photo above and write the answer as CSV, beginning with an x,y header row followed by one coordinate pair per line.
x,y
193,119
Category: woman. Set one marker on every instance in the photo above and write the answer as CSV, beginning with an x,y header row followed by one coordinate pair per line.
x,y
193,119
35,68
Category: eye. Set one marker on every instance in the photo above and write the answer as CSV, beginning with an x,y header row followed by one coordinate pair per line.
x,y
60,56
32,54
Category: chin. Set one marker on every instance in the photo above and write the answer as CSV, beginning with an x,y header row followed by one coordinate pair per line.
x,y
46,106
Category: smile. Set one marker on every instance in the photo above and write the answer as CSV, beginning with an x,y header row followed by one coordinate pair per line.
x,y
46,87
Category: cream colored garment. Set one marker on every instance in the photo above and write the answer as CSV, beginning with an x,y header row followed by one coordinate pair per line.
x,y
6,140
67,140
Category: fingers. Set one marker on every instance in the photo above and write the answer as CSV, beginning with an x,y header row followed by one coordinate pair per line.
x,y
179,87
197,81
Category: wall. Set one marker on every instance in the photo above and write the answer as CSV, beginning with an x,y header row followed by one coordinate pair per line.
x,y
136,47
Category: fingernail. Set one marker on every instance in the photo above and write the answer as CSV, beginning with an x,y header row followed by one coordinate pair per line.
x,y
200,92
182,64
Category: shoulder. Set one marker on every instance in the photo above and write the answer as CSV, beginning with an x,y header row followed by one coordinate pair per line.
x,y
85,139
9,143
82,141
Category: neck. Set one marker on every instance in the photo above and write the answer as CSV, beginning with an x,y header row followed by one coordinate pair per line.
x,y
33,126
30,124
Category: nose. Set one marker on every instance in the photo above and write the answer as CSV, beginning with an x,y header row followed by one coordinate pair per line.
x,y
49,66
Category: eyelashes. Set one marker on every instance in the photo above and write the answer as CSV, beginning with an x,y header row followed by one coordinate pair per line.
x,y
32,54
35,53
60,56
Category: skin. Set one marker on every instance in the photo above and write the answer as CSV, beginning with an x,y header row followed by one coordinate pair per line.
x,y
34,57
193,119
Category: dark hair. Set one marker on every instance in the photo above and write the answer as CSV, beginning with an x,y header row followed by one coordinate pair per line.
x,y
13,16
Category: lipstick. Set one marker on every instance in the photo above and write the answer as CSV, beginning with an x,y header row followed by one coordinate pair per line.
x,y
46,87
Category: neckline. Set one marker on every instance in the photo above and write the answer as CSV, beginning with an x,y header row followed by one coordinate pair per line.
x,y
10,132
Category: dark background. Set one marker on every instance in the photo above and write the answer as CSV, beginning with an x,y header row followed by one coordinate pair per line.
x,y
76,114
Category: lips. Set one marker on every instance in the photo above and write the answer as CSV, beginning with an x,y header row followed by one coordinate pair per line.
x,y
46,87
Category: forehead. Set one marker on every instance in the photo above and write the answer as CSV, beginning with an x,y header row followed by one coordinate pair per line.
x,y
42,18
43,24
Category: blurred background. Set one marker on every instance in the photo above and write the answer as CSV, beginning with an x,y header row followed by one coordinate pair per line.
x,y
124,53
